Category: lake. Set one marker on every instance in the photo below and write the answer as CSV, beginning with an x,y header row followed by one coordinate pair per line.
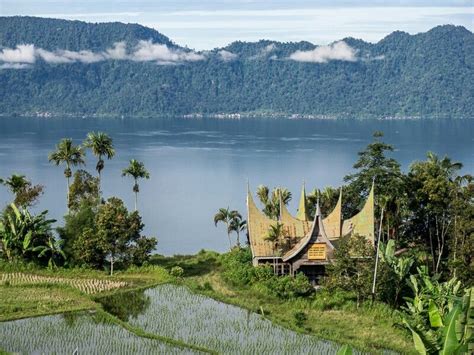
x,y
198,166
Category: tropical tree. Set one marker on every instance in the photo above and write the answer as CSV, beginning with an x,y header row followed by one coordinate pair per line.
x,y
52,249
434,189
237,225
83,190
25,193
374,164
15,183
102,146
353,267
226,216
71,155
271,201
21,232
137,171
275,234
118,232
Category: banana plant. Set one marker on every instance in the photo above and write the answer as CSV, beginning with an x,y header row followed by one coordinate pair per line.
x,y
438,316
400,266
53,248
21,232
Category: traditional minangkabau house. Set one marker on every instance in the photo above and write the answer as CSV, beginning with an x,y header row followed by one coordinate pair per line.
x,y
304,246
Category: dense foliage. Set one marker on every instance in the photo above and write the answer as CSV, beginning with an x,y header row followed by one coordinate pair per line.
x,y
96,233
427,74
238,271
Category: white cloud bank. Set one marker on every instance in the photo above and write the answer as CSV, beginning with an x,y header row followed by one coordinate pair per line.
x,y
144,51
23,53
227,56
323,54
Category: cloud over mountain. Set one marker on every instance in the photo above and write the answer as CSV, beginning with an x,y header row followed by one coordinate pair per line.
x,y
144,51
323,54
227,56
23,53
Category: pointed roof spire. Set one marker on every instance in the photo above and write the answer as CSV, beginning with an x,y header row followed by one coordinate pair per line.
x,y
302,213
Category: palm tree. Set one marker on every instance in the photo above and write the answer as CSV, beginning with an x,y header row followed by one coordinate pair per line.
x,y
101,145
226,216
275,233
136,170
25,193
447,166
70,154
237,225
271,202
15,183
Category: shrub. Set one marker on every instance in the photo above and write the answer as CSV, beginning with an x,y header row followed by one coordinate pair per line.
x,y
177,271
237,265
286,287
300,318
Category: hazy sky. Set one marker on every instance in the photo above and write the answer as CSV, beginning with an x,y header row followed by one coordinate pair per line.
x,y
206,24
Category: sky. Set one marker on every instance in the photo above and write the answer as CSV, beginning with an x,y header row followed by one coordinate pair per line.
x,y
207,24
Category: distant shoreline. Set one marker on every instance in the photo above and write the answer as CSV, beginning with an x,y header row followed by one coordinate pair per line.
x,y
233,116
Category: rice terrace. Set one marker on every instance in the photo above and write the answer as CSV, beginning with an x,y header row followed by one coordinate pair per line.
x,y
236,177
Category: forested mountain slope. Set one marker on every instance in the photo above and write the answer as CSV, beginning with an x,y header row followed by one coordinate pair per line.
x,y
78,68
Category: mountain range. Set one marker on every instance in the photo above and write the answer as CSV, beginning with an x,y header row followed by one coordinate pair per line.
x,y
74,68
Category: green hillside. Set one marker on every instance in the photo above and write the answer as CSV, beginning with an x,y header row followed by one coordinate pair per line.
x,y
424,75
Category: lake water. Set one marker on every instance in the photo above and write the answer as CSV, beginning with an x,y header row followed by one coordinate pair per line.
x,y
198,166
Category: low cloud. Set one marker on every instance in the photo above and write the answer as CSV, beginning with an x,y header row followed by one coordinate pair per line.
x,y
117,52
264,52
145,51
323,54
148,51
270,48
23,53
227,56
15,66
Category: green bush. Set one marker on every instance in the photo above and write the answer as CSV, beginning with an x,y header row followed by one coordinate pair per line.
x,y
237,267
287,287
177,271
300,318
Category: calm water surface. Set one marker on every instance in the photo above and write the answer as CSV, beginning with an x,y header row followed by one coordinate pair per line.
x,y
197,166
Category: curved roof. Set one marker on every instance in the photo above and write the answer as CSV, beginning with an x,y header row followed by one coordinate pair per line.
x,y
258,226
363,222
317,235
332,223
293,227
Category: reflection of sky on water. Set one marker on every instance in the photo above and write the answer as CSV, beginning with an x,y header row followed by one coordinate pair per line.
x,y
197,166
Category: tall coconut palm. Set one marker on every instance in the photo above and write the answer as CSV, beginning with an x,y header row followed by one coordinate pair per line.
x,y
237,225
224,215
136,170
102,146
71,155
